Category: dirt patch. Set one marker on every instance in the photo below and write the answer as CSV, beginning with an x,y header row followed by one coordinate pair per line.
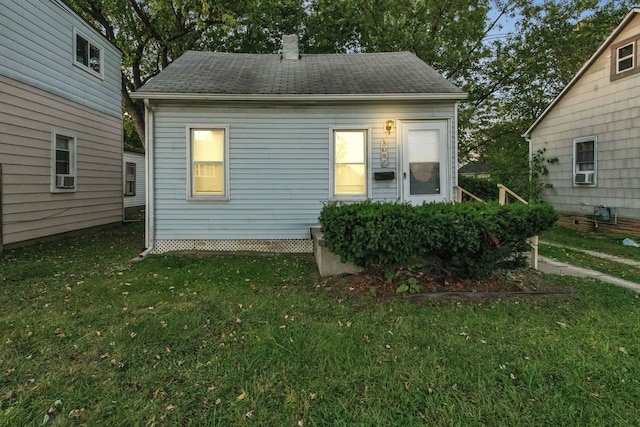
x,y
418,285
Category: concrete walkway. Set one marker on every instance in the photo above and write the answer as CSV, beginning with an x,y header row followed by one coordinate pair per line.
x,y
551,266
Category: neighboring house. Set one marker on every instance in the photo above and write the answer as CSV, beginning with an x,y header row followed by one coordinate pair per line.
x,y
475,169
243,150
60,123
133,179
593,128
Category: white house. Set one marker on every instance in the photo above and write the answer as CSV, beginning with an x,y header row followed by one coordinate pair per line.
x,y
60,123
134,182
593,128
243,150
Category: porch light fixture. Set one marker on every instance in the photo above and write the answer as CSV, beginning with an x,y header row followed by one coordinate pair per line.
x,y
388,126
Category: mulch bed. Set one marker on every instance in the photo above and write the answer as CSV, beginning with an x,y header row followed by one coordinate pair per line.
x,y
518,283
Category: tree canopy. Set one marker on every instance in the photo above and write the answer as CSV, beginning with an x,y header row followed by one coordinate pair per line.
x,y
510,77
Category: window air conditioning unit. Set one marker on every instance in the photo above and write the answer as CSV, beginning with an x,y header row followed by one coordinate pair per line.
x,y
584,177
65,181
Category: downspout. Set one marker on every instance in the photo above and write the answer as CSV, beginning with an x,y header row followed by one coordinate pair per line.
x,y
149,176
454,172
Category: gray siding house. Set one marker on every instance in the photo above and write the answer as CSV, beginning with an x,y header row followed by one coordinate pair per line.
x,y
60,123
243,150
593,128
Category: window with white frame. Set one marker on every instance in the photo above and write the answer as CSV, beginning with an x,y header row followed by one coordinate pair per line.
x,y
624,58
64,154
208,158
87,54
130,179
349,163
585,161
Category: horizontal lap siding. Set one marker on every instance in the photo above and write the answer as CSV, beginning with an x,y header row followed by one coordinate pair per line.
x,y
28,116
36,48
609,110
279,166
139,199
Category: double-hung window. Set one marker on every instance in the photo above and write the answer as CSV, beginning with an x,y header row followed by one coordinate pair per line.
x,y
585,157
349,153
88,54
130,179
208,163
63,162
624,58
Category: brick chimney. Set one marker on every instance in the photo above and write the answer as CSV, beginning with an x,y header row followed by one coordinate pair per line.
x,y
290,46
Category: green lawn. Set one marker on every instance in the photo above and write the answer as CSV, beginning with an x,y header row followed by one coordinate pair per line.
x,y
89,338
599,242
594,241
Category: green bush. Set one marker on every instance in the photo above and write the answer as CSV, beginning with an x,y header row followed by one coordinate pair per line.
x,y
484,188
464,239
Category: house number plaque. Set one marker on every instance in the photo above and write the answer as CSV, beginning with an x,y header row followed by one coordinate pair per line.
x,y
384,156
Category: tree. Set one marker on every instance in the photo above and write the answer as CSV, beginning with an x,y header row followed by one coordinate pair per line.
x,y
150,34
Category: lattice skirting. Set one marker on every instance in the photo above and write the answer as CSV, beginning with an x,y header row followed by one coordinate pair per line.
x,y
280,246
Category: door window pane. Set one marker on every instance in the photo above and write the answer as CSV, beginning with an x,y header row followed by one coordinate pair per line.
x,y
424,161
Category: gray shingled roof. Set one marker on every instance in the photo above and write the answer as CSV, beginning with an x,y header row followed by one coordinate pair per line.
x,y
333,74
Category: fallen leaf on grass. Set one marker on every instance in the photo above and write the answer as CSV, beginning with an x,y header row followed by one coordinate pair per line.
x,y
76,413
170,408
242,396
623,350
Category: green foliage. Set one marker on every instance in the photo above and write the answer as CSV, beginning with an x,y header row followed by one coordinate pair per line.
x,y
484,188
467,239
411,286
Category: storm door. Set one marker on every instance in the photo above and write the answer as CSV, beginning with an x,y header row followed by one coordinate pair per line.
x,y
425,161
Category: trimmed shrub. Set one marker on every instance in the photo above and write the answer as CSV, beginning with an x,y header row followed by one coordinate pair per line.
x,y
463,239
484,188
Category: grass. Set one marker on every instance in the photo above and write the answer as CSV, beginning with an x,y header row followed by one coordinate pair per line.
x,y
90,338
581,259
594,241
599,242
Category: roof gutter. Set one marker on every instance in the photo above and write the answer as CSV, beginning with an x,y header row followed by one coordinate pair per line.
x,y
299,97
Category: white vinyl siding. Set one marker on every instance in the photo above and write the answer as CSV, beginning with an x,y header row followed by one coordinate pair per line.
x,y
279,162
37,47
138,199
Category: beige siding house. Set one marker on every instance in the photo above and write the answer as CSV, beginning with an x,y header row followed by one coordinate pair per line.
x,y
60,123
593,128
243,150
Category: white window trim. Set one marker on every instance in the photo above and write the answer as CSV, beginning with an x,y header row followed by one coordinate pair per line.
x,y
367,166
595,161
73,160
135,178
189,144
92,42
620,59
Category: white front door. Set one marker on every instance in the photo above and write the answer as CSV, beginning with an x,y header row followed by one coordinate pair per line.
x,y
425,164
